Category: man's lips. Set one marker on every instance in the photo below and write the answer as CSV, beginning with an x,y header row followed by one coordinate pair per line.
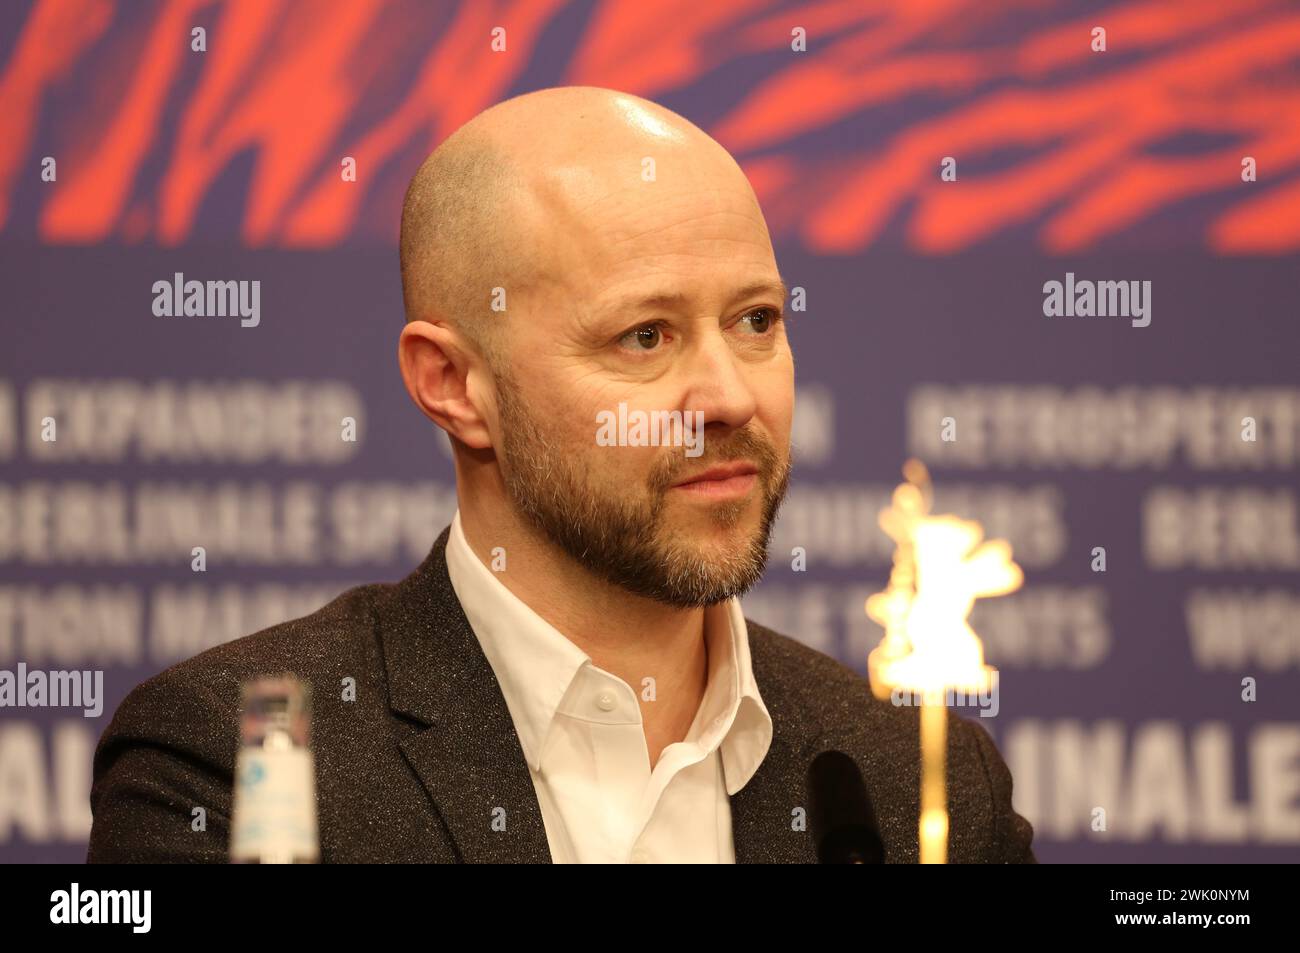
x,y
721,472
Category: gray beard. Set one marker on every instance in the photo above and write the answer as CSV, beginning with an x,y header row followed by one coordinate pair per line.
x,y
622,541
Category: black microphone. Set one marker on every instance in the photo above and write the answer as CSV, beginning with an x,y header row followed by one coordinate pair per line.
x,y
843,823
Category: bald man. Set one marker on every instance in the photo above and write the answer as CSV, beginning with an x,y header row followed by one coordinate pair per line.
x,y
595,318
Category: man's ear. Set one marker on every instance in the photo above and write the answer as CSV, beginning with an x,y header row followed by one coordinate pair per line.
x,y
443,380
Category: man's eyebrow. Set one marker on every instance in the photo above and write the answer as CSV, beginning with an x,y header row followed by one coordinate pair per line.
x,y
675,299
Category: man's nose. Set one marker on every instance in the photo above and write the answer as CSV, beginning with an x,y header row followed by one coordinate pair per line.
x,y
718,383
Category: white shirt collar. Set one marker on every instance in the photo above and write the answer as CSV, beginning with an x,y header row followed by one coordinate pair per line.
x,y
535,665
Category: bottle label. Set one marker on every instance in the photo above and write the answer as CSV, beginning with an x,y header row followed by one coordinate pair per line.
x,y
274,811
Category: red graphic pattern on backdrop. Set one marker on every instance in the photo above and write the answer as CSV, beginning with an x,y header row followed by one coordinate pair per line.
x,y
842,143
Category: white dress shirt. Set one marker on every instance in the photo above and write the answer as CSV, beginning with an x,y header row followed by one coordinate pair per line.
x,y
581,732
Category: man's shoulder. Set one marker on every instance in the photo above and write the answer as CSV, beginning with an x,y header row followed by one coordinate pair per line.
x,y
811,685
332,643
807,678
801,685
304,645
173,741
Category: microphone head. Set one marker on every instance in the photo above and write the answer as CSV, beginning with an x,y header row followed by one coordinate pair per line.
x,y
843,824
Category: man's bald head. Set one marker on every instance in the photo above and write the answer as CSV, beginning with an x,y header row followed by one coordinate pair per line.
x,y
484,208
640,277
454,240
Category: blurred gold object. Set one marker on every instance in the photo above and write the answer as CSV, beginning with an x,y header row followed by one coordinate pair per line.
x,y
941,566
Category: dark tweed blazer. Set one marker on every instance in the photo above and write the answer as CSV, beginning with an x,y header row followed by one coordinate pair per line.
x,y
412,770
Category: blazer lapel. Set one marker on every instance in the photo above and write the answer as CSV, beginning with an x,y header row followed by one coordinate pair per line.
x,y
468,757
763,812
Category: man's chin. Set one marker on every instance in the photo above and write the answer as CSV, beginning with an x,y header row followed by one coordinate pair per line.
x,y
709,542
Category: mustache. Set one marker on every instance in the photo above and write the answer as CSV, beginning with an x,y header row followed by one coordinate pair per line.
x,y
746,445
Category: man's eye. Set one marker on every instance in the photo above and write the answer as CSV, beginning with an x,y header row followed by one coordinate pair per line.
x,y
643,338
763,319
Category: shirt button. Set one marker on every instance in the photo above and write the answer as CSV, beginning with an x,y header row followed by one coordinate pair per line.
x,y
640,856
605,701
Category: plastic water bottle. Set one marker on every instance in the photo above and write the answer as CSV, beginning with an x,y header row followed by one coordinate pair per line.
x,y
273,818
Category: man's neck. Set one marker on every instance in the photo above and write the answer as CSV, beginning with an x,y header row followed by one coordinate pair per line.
x,y
627,635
